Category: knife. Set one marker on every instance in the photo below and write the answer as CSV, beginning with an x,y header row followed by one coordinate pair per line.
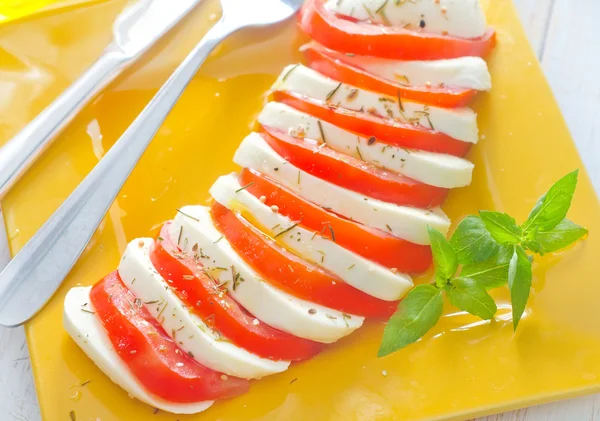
x,y
135,30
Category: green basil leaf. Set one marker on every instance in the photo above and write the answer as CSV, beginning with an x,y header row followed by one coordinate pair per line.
x,y
472,241
444,256
492,273
501,226
559,237
519,283
469,296
553,206
416,315
534,246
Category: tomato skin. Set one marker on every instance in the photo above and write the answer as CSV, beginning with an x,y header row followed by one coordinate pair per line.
x,y
375,245
366,39
396,134
293,274
353,174
221,311
153,358
332,64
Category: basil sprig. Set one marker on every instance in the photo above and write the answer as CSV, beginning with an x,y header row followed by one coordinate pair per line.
x,y
485,252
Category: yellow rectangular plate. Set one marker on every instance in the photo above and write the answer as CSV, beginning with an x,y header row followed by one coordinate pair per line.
x,y
464,368
18,9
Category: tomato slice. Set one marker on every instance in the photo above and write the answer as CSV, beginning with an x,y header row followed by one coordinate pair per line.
x,y
292,273
336,66
352,173
198,291
153,358
344,35
373,244
394,133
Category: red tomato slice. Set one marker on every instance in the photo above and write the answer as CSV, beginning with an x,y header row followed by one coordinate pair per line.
x,y
373,244
293,274
201,295
153,358
336,66
394,133
353,174
344,35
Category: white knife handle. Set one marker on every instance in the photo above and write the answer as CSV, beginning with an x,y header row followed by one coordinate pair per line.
x,y
22,150
35,273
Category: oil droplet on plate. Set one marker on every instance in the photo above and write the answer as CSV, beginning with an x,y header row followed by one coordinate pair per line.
x,y
76,396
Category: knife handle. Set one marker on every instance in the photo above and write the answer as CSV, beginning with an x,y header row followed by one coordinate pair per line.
x,y
34,274
17,155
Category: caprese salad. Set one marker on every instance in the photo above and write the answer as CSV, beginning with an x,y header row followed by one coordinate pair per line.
x,y
322,227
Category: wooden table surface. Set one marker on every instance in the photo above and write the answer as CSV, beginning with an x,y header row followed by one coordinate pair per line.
x,y
566,37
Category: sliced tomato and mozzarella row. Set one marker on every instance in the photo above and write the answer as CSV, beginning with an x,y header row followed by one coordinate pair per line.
x,y
402,221
373,244
83,324
296,275
330,210
267,303
202,293
353,173
369,277
435,169
426,30
194,337
457,123
458,18
445,83
385,129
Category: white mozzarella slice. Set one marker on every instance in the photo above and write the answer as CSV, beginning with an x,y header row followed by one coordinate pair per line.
x,y
87,331
402,221
267,303
185,328
458,123
435,169
362,274
461,72
459,18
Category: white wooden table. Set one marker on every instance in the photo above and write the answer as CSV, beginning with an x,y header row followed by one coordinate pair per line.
x,y
566,37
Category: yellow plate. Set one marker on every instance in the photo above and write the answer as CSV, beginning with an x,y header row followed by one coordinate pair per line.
x,y
17,9
464,368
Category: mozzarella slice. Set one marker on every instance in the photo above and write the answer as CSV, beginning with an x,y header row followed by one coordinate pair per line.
x,y
402,221
362,274
435,169
185,328
87,331
269,304
458,123
460,18
461,72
